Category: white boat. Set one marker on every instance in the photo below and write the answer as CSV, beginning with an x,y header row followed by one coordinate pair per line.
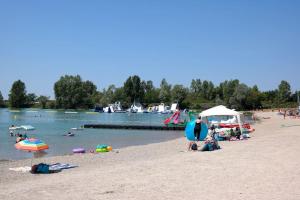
x,y
77,129
174,107
162,109
137,108
27,127
120,111
70,112
116,107
108,109
51,111
12,128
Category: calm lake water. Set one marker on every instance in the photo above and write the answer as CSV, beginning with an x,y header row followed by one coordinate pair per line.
x,y
51,125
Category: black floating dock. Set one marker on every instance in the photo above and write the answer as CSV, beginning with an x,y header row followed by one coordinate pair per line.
x,y
135,127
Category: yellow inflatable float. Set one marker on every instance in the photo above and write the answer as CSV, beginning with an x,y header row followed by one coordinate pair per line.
x,y
103,148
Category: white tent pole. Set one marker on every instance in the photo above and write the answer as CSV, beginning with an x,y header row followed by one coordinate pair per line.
x,y
240,124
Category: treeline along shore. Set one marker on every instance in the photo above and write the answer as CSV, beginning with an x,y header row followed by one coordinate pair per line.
x,y
71,92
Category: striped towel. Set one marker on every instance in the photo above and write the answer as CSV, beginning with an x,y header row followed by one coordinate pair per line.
x,y
60,166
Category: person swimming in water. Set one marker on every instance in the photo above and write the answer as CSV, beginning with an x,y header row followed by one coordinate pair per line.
x,y
69,134
19,138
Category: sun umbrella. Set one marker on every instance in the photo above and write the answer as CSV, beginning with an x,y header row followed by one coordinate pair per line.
x,y
31,144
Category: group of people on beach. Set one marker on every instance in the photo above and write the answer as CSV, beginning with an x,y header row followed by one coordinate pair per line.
x,y
291,113
210,141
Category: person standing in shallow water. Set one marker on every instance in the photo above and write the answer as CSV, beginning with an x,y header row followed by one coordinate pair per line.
x,y
11,132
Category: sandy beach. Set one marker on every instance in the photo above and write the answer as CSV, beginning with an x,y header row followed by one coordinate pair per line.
x,y
267,166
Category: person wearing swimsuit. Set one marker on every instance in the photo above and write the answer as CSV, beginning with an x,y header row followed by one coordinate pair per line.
x,y
197,129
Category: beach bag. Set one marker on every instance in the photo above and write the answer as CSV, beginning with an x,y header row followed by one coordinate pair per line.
x,y
194,147
40,169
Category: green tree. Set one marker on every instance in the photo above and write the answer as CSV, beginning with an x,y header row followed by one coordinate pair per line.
x,y
226,90
96,98
31,98
51,104
295,97
88,92
68,92
151,93
2,104
133,89
204,90
269,99
238,100
120,96
179,94
218,100
254,98
108,95
72,93
17,96
43,101
210,95
284,92
165,92
196,87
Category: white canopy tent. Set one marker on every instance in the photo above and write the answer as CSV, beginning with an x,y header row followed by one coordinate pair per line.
x,y
222,111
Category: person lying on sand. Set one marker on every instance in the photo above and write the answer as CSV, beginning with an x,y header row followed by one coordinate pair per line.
x,y
43,168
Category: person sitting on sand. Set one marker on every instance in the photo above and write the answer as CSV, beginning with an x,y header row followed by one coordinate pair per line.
x,y
238,133
210,142
232,133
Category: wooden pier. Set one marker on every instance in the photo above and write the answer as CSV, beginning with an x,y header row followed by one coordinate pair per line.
x,y
135,127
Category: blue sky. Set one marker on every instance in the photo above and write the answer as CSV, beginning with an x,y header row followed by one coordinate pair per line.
x,y
257,42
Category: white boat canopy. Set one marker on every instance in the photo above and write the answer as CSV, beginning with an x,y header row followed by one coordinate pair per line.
x,y
27,127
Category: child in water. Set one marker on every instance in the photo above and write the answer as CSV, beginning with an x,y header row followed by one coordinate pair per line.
x,y
11,133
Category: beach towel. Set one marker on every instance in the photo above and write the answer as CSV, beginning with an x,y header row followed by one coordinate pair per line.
x,y
21,169
61,166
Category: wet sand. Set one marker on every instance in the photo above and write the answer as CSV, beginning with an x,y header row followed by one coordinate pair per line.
x,y
267,166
